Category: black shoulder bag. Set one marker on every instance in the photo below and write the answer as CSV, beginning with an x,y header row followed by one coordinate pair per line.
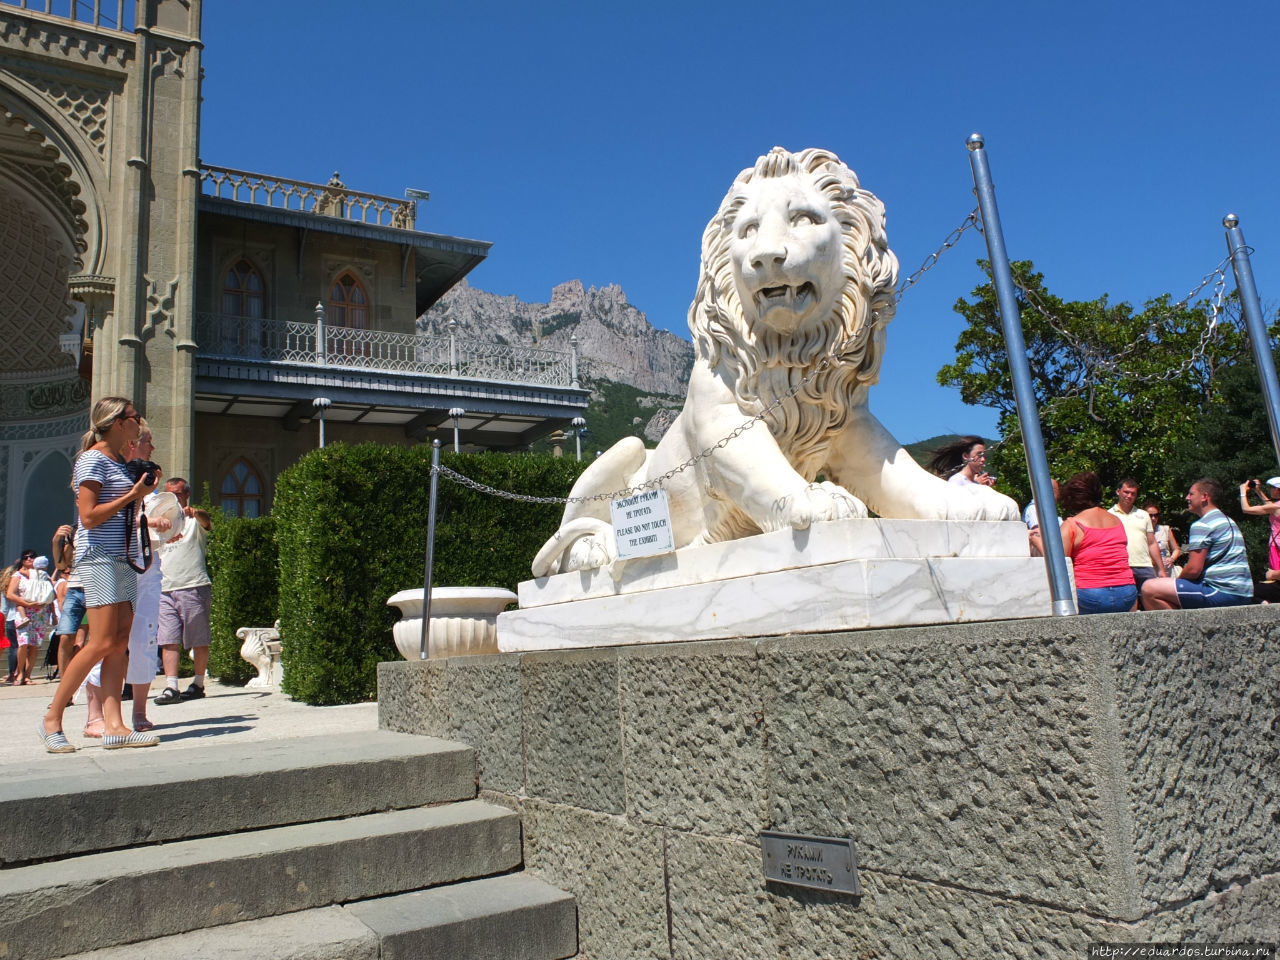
x,y
131,531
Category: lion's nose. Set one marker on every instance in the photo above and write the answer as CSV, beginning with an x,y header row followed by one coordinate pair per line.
x,y
768,252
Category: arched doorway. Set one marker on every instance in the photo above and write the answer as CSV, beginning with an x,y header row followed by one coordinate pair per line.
x,y
46,499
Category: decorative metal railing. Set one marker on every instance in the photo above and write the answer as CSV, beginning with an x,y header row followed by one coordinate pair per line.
x,y
111,14
331,199
287,341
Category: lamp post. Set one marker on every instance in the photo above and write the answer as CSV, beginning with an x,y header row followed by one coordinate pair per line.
x,y
321,404
578,424
457,413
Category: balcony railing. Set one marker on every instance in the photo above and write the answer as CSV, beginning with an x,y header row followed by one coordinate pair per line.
x,y
319,344
112,14
331,199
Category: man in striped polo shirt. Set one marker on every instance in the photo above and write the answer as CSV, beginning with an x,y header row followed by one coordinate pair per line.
x,y
1217,571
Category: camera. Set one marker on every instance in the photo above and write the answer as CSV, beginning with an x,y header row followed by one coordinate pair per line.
x,y
143,468
1253,484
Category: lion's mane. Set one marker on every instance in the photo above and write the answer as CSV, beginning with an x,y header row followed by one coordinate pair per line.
x,y
764,364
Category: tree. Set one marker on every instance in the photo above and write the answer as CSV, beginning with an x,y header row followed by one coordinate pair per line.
x,y
1120,391
1232,442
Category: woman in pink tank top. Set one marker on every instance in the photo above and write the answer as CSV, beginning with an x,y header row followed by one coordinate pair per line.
x,y
1098,546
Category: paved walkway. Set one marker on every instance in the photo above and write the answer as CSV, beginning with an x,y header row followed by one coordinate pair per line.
x,y
225,715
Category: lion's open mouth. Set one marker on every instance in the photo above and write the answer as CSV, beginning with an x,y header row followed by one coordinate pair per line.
x,y
795,299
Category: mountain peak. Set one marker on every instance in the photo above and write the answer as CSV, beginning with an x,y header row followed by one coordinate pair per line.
x,y
568,294
614,338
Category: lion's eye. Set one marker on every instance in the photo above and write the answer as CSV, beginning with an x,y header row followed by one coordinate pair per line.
x,y
749,229
804,217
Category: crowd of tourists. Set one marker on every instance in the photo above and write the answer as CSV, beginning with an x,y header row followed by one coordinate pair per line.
x,y
1123,557
129,589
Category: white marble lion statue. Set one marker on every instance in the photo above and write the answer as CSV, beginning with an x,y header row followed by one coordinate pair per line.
x,y
796,285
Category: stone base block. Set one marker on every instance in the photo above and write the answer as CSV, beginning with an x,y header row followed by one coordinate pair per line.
x,y
838,575
1012,788
847,595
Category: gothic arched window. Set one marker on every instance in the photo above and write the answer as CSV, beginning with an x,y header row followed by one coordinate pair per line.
x,y
241,491
243,293
348,303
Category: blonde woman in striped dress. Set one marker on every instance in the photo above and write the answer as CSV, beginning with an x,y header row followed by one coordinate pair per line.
x,y
106,498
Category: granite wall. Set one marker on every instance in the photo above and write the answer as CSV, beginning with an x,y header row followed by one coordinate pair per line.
x,y
1013,789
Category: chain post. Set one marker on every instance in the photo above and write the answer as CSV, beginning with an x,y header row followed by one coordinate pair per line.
x,y
431,548
1257,327
1032,439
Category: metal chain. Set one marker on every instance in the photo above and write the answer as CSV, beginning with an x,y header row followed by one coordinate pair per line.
x,y
823,363
656,482
1095,362
931,261
494,491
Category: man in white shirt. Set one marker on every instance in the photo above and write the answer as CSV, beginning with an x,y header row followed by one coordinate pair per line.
x,y
186,594
1144,553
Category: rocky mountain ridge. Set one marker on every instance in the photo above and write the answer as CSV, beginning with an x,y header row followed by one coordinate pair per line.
x,y
616,341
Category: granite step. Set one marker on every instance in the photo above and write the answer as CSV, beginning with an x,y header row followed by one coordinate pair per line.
x,y
512,917
97,800
102,899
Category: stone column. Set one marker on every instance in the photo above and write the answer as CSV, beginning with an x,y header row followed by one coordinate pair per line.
x,y
146,350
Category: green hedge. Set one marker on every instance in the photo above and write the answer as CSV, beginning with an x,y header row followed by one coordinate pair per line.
x,y
245,569
351,525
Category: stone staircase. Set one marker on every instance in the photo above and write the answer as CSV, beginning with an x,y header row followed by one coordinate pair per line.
x,y
365,845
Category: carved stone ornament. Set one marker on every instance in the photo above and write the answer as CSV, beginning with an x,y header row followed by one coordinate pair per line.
x,y
88,107
166,62
75,44
796,285
160,301
333,202
261,648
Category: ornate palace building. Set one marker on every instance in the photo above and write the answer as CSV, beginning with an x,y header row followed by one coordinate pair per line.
x,y
234,308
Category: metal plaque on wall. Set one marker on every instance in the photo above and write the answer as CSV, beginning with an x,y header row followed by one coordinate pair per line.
x,y
821,863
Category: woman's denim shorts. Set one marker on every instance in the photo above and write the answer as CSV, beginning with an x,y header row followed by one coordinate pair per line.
x,y
1107,599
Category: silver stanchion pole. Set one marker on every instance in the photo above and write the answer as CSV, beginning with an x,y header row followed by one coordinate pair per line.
x,y
431,548
1064,604
1256,325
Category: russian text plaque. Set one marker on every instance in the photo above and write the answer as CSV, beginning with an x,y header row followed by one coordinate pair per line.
x,y
642,525
821,863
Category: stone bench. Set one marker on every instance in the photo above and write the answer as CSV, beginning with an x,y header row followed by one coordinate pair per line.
x,y
261,647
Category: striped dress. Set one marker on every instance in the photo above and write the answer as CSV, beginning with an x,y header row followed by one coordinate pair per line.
x,y
100,553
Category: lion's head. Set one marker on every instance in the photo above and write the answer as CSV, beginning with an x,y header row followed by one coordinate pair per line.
x,y
795,266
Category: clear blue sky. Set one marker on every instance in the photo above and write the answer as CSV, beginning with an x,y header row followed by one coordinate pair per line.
x,y
593,140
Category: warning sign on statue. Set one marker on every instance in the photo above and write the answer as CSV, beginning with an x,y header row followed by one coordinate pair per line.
x,y
642,525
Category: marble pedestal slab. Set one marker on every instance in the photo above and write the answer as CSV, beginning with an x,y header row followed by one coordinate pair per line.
x,y
847,574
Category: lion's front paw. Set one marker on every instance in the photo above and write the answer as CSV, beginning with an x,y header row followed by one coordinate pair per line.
x,y
587,553
818,501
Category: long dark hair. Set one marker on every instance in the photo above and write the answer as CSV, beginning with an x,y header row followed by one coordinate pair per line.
x,y
950,459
